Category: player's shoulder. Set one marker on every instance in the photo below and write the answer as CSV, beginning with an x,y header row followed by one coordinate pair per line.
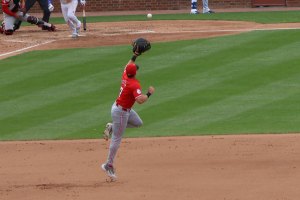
x,y
136,83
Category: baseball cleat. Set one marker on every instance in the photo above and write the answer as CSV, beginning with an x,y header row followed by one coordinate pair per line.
x,y
194,11
108,130
74,35
110,171
209,12
52,28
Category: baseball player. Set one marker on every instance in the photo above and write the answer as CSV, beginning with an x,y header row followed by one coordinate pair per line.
x,y
68,8
194,8
12,13
123,115
46,6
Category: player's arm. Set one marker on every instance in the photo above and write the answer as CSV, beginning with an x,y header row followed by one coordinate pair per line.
x,y
6,10
133,58
144,97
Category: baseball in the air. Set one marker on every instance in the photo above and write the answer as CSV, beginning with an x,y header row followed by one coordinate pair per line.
x,y
149,15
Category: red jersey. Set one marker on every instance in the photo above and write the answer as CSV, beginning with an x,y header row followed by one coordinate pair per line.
x,y
10,7
129,91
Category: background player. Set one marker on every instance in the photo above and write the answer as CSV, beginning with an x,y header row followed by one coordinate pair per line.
x,y
68,8
123,115
12,13
194,8
46,6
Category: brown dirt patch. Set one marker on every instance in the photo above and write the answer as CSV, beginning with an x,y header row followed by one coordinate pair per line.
x,y
99,34
248,167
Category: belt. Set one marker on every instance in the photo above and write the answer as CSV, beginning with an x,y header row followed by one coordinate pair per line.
x,y
124,109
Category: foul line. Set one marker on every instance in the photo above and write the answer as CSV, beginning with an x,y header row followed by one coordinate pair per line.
x,y
23,49
199,31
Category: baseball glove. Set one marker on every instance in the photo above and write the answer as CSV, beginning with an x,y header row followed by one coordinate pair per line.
x,y
140,46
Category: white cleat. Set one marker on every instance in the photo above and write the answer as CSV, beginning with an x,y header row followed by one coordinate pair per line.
x,y
110,171
74,35
194,11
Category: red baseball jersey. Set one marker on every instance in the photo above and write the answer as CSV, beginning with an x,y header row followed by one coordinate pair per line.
x,y
129,91
10,7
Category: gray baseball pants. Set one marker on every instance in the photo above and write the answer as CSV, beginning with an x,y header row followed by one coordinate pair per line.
x,y
122,119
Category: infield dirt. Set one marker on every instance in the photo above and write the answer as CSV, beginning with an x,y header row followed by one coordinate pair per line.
x,y
242,167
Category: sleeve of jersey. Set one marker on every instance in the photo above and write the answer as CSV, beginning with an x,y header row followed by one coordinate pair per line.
x,y
6,9
137,91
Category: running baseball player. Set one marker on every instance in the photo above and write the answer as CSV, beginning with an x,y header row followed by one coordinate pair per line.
x,y
12,13
68,8
194,7
123,116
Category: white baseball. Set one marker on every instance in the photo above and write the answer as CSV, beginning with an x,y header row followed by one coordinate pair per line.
x,y
149,15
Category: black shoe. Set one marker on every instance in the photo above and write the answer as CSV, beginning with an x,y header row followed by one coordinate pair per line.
x,y
209,12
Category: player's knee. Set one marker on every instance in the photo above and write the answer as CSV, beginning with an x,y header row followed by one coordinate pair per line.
x,y
9,32
70,16
139,124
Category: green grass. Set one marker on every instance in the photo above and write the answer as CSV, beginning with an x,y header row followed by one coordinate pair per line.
x,y
260,17
247,83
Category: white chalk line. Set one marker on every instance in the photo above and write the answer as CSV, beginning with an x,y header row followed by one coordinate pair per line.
x,y
26,48
129,32
17,41
200,31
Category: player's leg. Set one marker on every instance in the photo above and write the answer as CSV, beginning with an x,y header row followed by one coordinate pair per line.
x,y
71,15
28,5
64,10
134,120
44,4
120,119
34,20
8,25
194,8
205,7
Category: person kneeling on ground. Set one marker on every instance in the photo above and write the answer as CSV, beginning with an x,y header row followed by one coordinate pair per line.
x,y
12,12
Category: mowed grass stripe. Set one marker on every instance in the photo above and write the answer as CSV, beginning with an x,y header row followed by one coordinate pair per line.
x,y
84,65
197,74
63,91
286,57
209,78
230,109
57,94
180,87
65,126
283,118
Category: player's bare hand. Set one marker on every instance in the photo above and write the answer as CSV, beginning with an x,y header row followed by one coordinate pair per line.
x,y
151,89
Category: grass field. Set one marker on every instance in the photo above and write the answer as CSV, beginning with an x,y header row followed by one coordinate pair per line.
x,y
247,83
260,17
